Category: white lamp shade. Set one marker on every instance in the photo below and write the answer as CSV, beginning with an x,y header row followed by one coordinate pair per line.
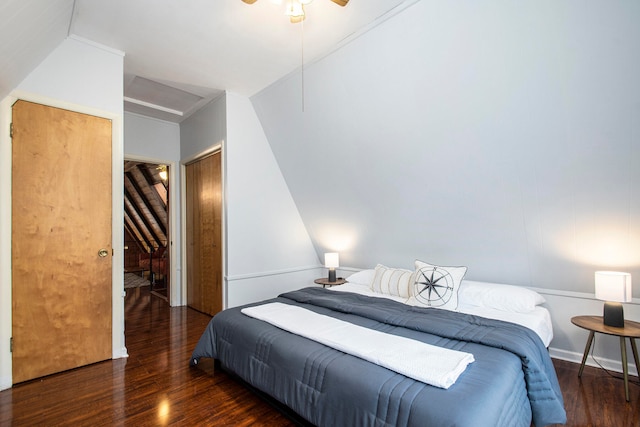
x,y
331,260
613,286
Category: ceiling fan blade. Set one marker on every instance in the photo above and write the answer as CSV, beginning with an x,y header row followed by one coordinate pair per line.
x,y
253,1
338,2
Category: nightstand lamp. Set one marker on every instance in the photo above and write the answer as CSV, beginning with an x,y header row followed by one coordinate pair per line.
x,y
614,288
331,261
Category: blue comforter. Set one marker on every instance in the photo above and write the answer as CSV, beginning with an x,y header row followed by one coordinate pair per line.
x,y
511,383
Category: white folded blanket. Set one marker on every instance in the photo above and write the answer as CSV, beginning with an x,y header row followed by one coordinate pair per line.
x,y
430,364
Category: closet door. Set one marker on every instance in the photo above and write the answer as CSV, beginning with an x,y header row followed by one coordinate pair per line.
x,y
61,240
204,234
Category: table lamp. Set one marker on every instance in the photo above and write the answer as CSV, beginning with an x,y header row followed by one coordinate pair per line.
x,y
614,288
331,262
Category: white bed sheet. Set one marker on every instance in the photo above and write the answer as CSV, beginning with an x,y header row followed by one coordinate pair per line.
x,y
538,320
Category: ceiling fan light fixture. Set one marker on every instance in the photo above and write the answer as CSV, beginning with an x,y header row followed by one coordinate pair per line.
x,y
295,10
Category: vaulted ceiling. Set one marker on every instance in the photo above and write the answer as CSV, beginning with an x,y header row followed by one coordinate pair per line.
x,y
145,205
180,55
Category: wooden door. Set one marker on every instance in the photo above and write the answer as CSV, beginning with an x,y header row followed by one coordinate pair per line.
x,y
61,219
204,234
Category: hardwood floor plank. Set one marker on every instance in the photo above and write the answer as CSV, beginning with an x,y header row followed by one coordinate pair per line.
x,y
597,399
155,385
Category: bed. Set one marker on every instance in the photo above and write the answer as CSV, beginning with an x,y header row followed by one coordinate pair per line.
x,y
510,380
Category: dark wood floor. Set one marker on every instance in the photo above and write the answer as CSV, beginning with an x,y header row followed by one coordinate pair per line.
x,y
155,386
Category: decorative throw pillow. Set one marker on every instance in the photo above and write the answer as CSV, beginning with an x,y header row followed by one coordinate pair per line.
x,y
436,286
392,281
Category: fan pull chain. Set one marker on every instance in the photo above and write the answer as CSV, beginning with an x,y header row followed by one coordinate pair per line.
x,y
302,56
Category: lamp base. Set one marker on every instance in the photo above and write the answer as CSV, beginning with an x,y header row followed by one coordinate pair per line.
x,y
332,275
613,314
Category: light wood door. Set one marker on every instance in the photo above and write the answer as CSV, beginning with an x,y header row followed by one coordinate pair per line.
x,y
61,219
204,234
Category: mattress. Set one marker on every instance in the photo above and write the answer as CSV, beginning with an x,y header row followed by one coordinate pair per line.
x,y
538,320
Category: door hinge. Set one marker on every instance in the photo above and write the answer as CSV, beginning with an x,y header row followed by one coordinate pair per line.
x,y
11,130
11,345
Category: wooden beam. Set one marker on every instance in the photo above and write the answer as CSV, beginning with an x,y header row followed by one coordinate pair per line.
x,y
147,204
144,227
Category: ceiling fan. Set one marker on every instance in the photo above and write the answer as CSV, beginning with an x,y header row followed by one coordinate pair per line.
x,y
295,8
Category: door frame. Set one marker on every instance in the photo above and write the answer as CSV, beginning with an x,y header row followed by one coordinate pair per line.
x,y
175,286
183,214
118,349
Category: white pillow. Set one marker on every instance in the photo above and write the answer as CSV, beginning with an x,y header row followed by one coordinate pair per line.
x,y
436,286
500,297
392,281
364,277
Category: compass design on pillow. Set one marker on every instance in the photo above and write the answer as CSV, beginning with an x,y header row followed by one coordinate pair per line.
x,y
433,286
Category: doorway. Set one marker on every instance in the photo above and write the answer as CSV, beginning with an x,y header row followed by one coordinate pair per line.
x,y
146,227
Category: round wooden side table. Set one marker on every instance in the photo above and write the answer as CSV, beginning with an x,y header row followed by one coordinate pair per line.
x,y
325,282
630,330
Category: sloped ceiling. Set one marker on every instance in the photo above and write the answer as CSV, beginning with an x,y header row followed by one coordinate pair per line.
x,y
219,44
145,205
29,31
181,55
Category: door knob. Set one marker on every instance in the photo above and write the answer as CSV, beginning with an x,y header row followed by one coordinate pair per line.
x,y
103,253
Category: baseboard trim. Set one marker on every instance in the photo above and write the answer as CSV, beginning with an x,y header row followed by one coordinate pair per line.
x,y
121,354
608,364
5,383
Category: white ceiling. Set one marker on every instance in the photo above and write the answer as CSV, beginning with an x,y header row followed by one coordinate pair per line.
x,y
29,31
181,54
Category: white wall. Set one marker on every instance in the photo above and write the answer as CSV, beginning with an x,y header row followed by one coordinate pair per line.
x,y
157,141
264,235
203,130
148,137
79,76
80,72
5,245
498,135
